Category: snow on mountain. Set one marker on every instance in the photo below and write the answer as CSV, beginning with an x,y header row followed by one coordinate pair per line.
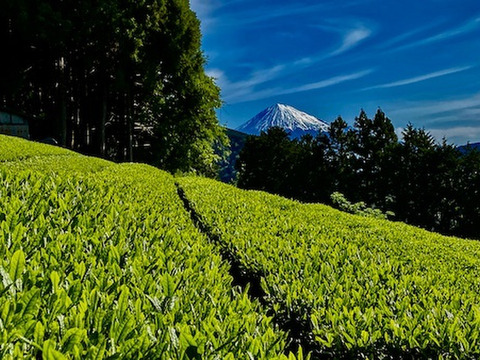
x,y
294,121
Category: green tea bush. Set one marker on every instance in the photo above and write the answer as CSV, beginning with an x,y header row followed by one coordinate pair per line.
x,y
107,264
358,287
14,148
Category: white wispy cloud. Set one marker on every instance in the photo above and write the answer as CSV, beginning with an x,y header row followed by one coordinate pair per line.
x,y
239,89
328,82
420,78
350,31
265,14
404,36
204,10
454,127
256,13
201,7
424,109
207,12
249,94
454,134
216,15
473,112
456,118
207,7
457,134
467,27
351,39
217,74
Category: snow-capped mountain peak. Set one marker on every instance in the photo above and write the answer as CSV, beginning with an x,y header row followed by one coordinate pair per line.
x,y
294,121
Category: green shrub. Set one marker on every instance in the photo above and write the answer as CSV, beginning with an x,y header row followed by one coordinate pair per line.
x,y
350,286
360,208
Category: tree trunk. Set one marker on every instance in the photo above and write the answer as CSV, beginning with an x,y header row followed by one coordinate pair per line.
x,y
62,116
130,130
101,126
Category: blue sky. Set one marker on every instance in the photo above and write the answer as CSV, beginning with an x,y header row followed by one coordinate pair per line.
x,y
417,60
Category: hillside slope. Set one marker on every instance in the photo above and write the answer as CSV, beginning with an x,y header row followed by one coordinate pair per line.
x,y
102,261
348,286
120,261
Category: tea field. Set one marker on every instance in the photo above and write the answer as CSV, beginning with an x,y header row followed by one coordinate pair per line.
x,y
124,261
347,286
102,261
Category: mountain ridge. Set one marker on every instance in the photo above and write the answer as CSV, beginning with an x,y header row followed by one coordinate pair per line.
x,y
469,147
294,121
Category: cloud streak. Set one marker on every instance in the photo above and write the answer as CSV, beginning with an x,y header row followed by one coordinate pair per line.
x,y
420,78
351,39
235,92
428,108
351,35
249,94
390,42
457,119
207,11
453,134
467,27
328,82
456,134
255,14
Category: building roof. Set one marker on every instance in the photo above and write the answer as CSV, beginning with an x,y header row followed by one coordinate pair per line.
x,y
11,118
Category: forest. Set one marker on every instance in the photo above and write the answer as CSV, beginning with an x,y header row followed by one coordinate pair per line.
x,y
416,180
123,80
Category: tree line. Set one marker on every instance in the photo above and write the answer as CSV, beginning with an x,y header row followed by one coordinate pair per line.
x,y
424,183
120,79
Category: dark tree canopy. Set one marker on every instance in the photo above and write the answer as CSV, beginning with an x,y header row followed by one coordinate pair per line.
x,y
124,79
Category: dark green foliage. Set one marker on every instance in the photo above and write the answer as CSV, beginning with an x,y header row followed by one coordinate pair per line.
x,y
293,168
236,140
108,77
371,145
431,185
267,161
467,185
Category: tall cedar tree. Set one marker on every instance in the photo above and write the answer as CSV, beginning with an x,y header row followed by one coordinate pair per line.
x,y
371,142
108,77
266,160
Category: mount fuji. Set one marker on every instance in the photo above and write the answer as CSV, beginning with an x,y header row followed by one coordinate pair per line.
x,y
297,123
